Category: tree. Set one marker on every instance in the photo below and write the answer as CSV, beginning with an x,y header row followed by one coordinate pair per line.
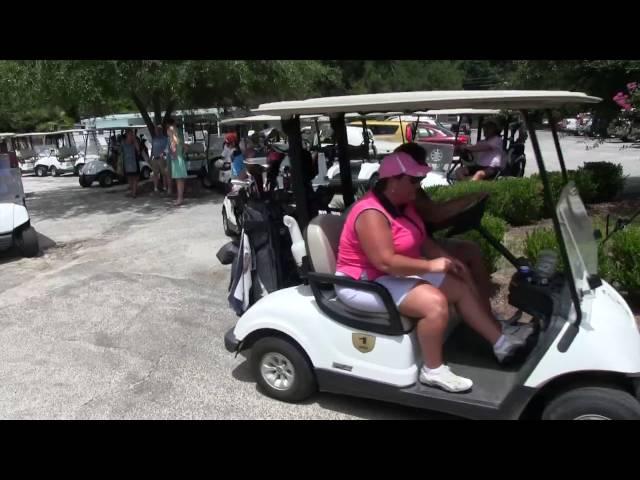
x,y
159,86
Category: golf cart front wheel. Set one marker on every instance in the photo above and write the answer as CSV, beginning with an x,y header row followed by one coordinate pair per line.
x,y
106,180
593,403
28,242
41,171
282,370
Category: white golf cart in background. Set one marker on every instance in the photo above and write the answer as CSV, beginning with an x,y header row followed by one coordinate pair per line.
x,y
58,152
15,225
93,149
104,170
583,362
22,144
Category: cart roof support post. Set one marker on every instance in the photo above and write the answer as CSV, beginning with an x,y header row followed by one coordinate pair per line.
x,y
340,131
301,186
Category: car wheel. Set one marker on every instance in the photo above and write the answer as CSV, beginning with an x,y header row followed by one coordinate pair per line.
x,y
54,172
106,179
146,173
84,182
282,370
28,242
593,403
41,171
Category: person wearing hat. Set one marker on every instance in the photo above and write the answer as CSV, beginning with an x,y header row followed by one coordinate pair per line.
x,y
384,239
489,155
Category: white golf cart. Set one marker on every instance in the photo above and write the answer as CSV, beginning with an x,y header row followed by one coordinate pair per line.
x,y
584,359
93,149
104,171
58,152
15,226
22,144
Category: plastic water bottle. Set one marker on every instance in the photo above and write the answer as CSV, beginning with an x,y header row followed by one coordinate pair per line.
x,y
546,265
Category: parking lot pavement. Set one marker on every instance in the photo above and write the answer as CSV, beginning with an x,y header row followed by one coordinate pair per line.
x,y
123,315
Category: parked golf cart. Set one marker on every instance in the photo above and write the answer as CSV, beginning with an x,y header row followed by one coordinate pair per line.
x,y
58,152
93,150
105,172
584,359
22,144
15,225
514,137
216,170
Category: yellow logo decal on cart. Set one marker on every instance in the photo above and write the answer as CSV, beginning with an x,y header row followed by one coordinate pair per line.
x,y
363,342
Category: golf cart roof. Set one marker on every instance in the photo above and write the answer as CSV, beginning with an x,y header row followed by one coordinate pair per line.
x,y
7,135
462,111
414,101
251,119
42,134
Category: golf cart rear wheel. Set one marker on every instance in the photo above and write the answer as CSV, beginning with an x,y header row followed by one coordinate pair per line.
x,y
593,403
106,179
282,370
28,242
54,172
41,171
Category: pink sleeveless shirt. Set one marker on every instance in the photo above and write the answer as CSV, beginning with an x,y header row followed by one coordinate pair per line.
x,y
408,236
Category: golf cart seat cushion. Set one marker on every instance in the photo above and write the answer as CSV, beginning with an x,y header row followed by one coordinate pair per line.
x,y
65,152
323,237
196,149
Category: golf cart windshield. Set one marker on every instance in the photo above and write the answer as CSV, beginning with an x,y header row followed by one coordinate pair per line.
x,y
578,235
10,181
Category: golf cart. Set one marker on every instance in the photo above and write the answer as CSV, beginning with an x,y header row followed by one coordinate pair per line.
x,y
105,172
514,137
583,362
93,150
15,226
59,152
22,144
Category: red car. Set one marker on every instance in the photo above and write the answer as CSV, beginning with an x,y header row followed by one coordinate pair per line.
x,y
439,134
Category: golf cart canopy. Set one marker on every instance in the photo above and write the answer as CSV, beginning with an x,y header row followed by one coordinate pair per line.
x,y
414,101
249,120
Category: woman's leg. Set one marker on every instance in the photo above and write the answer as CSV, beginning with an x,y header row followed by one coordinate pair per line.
x,y
431,307
180,188
470,254
134,186
471,309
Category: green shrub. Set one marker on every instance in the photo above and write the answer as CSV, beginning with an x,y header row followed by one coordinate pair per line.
x,y
516,200
541,239
497,227
608,177
623,251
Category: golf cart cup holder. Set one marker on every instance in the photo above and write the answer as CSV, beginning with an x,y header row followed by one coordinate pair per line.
x,y
469,217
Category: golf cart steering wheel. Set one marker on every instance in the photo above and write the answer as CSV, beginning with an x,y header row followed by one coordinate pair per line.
x,y
466,157
468,215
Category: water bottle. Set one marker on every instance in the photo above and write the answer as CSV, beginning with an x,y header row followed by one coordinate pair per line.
x,y
546,265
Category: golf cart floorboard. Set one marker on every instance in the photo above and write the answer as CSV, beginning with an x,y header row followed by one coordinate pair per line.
x,y
468,355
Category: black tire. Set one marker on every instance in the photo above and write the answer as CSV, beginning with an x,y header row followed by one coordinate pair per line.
x,y
83,181
225,224
28,242
304,382
41,171
205,181
373,179
606,402
54,171
106,179
145,174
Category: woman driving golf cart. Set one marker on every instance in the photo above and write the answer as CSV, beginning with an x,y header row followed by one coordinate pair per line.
x,y
384,240
488,155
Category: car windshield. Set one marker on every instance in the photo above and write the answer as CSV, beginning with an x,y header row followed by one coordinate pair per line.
x,y
578,234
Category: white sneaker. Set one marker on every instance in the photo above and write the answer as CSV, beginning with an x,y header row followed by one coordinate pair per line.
x,y
444,378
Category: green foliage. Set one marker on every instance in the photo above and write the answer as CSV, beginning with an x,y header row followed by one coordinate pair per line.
x,y
608,179
517,200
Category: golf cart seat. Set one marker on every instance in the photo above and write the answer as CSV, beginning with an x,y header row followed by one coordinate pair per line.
x,y
27,154
66,152
322,237
196,151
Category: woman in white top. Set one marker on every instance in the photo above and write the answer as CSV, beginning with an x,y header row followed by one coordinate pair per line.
x,y
488,155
